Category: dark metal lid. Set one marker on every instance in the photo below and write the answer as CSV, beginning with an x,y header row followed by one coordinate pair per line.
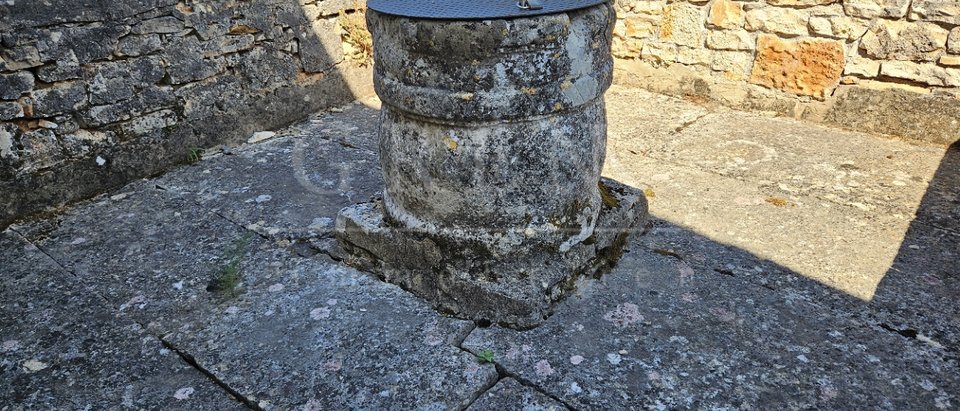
x,y
476,9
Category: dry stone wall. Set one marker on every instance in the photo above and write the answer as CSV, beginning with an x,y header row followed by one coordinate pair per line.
x,y
95,93
889,66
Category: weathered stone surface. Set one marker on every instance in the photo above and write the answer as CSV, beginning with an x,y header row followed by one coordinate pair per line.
x,y
682,24
111,82
510,394
67,67
944,11
923,73
87,43
59,98
138,45
839,27
61,347
790,22
12,86
801,3
297,333
860,66
292,188
876,8
185,62
730,40
659,52
950,61
900,40
10,110
930,118
636,27
806,67
725,14
953,41
734,64
449,153
162,25
635,340
317,44
472,284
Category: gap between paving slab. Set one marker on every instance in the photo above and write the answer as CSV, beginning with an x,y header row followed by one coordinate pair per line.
x,y
61,348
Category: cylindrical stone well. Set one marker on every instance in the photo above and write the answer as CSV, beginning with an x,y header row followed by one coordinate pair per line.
x,y
493,131
492,138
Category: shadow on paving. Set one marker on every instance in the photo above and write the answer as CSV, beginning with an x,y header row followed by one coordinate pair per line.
x,y
682,322
687,322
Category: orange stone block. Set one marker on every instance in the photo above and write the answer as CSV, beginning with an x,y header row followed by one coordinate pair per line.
x,y
725,14
805,67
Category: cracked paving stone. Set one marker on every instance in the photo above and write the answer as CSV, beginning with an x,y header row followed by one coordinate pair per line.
x,y
60,348
655,333
298,332
293,185
509,394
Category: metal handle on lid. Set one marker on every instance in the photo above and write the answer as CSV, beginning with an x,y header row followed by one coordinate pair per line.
x,y
530,4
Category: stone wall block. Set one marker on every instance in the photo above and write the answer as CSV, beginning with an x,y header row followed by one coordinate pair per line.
x,y
144,101
784,21
725,14
58,99
730,40
320,46
87,43
901,40
66,67
113,81
637,27
869,9
138,45
185,62
10,110
735,65
694,56
838,27
951,61
657,52
922,73
953,41
943,11
862,67
12,86
803,67
166,24
801,3
683,25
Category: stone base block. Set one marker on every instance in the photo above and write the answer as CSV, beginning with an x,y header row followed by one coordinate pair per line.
x,y
516,291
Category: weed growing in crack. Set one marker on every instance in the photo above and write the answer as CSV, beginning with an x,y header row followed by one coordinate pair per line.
x,y
194,154
485,357
227,278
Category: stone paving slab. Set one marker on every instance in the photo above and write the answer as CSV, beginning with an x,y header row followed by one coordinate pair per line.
x,y
785,156
292,186
60,348
657,334
509,394
298,332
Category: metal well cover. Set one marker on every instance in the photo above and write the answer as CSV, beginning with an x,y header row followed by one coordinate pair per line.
x,y
476,9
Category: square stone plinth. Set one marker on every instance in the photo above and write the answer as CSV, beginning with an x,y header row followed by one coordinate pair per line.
x,y
516,291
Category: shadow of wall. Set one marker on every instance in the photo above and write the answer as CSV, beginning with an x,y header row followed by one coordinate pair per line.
x,y
98,93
